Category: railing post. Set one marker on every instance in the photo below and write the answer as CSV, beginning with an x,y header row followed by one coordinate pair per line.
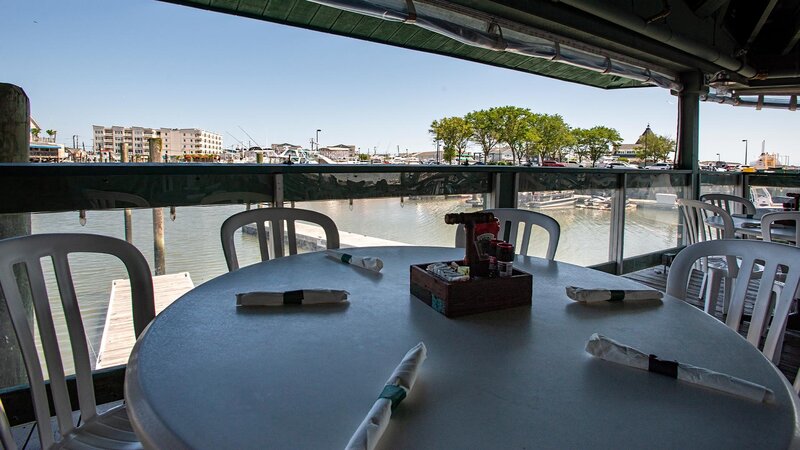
x,y
616,243
689,127
505,187
277,202
743,183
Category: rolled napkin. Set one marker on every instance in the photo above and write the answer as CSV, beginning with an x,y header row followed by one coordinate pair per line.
x,y
585,295
303,297
397,387
365,262
611,350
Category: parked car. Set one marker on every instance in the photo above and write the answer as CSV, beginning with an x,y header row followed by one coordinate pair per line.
x,y
659,166
572,163
551,163
618,165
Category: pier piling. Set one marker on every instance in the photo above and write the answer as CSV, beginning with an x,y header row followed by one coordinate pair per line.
x,y
159,260
15,119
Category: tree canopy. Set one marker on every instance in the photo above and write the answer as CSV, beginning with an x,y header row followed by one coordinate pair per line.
x,y
515,129
454,132
530,135
654,147
484,129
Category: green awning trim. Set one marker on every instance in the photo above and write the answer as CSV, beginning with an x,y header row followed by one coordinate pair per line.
x,y
305,14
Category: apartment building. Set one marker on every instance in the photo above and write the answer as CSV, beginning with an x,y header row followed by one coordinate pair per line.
x,y
175,142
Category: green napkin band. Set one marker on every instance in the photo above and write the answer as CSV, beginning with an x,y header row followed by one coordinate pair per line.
x,y
394,393
616,295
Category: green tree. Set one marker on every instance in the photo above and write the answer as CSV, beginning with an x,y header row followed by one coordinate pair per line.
x,y
654,147
35,132
485,129
363,157
600,140
52,133
515,130
449,154
454,132
580,143
553,136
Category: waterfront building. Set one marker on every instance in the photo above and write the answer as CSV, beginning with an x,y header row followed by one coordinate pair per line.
x,y
339,152
629,150
176,142
280,148
44,148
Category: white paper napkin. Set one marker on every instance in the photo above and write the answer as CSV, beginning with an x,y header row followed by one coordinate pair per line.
x,y
585,295
611,350
397,387
302,297
365,262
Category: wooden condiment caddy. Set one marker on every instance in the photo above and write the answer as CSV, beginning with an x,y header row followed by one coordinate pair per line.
x,y
477,295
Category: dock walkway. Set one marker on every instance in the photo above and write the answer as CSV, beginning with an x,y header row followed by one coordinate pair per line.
x,y
118,337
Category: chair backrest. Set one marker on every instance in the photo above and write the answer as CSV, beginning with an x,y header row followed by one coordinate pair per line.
x,y
512,220
276,218
6,439
768,220
749,252
19,291
696,228
732,204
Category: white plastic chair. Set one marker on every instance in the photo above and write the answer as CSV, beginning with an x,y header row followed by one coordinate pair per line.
x,y
276,217
112,428
716,270
6,439
515,219
748,252
732,204
768,220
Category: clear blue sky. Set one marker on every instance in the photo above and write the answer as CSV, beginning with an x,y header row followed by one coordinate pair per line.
x,y
153,64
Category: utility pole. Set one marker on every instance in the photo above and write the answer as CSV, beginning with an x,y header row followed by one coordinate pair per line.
x,y
745,151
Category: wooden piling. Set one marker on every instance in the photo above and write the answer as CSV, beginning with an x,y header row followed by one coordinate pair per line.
x,y
15,119
159,260
128,216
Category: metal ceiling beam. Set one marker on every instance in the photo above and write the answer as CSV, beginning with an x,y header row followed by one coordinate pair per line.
x,y
795,36
761,21
663,34
767,90
709,7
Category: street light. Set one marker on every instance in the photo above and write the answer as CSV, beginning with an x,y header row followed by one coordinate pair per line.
x,y
745,151
718,157
318,139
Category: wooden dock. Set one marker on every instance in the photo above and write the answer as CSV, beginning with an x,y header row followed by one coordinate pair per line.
x,y
118,337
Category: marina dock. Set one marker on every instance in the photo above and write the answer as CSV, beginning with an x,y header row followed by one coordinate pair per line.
x,y
118,337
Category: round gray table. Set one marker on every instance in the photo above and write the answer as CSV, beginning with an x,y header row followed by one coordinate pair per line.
x,y
208,375
752,227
